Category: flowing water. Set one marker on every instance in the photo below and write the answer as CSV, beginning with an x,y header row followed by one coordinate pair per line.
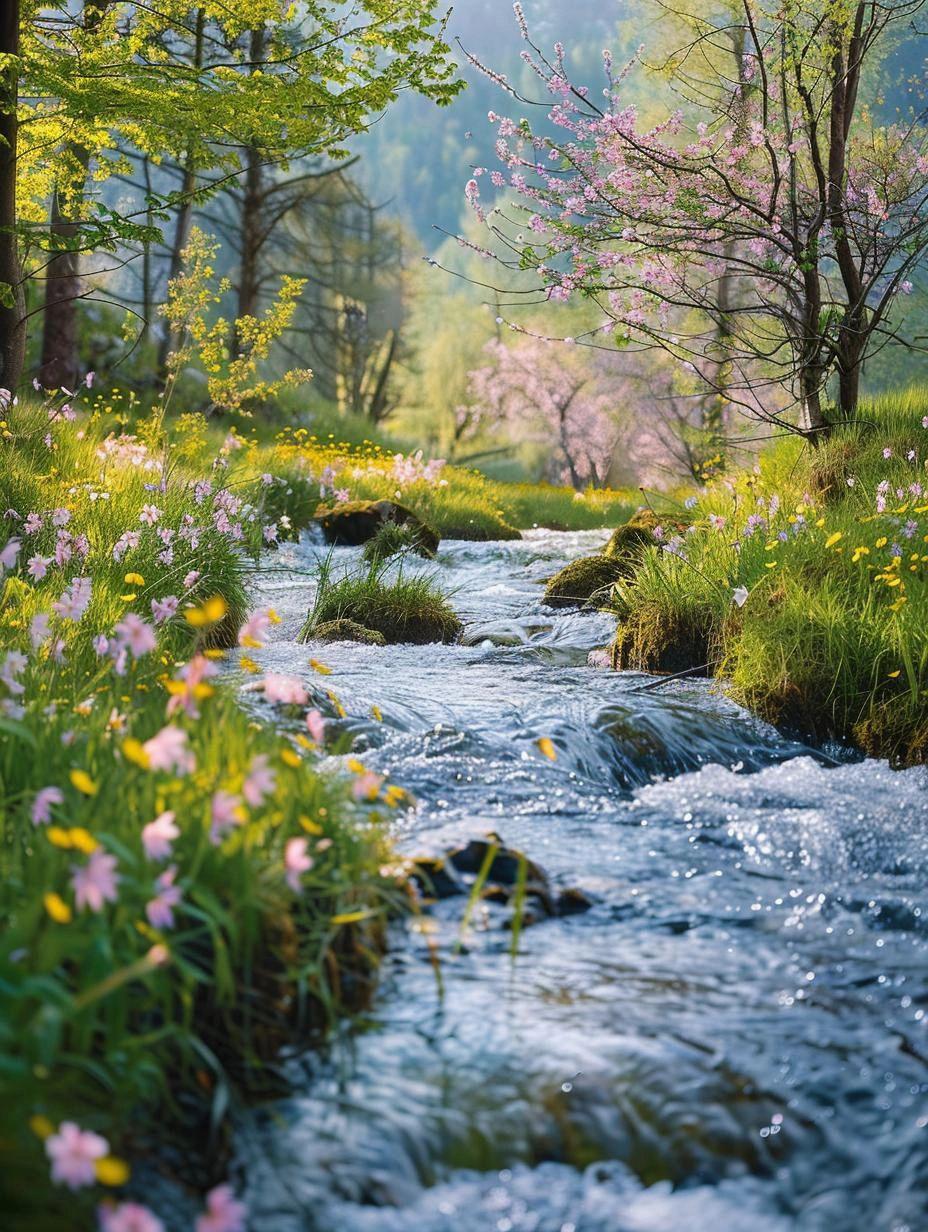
x,y
733,1038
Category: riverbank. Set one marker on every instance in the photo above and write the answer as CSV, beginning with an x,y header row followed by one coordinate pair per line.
x,y
184,887
802,583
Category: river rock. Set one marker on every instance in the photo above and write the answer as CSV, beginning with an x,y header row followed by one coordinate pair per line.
x,y
345,630
455,871
355,522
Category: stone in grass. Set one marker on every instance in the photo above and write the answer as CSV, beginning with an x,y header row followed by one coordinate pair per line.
x,y
347,631
355,522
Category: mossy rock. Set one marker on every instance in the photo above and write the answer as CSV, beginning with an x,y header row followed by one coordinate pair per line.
x,y
482,531
653,638
578,583
893,732
629,541
355,522
347,631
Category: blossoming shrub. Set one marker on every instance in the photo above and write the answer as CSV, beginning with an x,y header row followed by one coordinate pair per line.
x,y
814,596
181,889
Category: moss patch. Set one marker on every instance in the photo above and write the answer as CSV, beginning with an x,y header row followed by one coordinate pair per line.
x,y
582,581
347,631
658,638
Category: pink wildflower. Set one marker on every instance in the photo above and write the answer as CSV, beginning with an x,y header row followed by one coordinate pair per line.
x,y
128,1217
42,805
159,835
224,1213
74,1153
164,609
366,785
136,634
226,813
150,514
284,689
296,862
260,783
95,882
191,579
315,726
160,910
38,566
9,554
168,751
253,631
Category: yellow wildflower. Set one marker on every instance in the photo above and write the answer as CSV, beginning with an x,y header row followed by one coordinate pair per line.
x,y
833,538
209,613
134,579
320,667
111,1171
41,1126
57,908
133,751
83,782
290,758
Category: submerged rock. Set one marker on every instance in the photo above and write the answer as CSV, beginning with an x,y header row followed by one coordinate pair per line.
x,y
347,631
456,871
355,522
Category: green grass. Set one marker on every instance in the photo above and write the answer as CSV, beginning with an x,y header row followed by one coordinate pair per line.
x,y
832,640
401,607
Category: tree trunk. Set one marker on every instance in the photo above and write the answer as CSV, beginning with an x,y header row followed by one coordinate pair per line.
x,y
849,383
12,297
184,219
58,364
252,200
812,422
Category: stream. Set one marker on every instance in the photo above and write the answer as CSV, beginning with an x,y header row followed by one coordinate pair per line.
x,y
733,1038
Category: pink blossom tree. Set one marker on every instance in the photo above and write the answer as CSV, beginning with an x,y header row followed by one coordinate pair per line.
x,y
767,241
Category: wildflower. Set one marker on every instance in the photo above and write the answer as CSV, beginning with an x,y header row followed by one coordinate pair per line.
x,y
61,517
13,664
191,579
74,602
740,595
366,785
168,751
83,782
270,532
224,1213
33,523
112,1171
209,613
159,835
261,781
226,813
833,538
74,1153
149,514
101,644
163,609
39,629
296,862
716,521
858,553
135,634
42,804
95,882
315,726
89,379
253,630
160,910
128,1217
9,554
887,452
38,566
190,686
286,690
910,528
57,908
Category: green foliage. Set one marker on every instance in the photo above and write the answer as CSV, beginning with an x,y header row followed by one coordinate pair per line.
x,y
828,550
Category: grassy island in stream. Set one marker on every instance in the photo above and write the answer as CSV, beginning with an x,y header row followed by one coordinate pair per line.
x,y
802,583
